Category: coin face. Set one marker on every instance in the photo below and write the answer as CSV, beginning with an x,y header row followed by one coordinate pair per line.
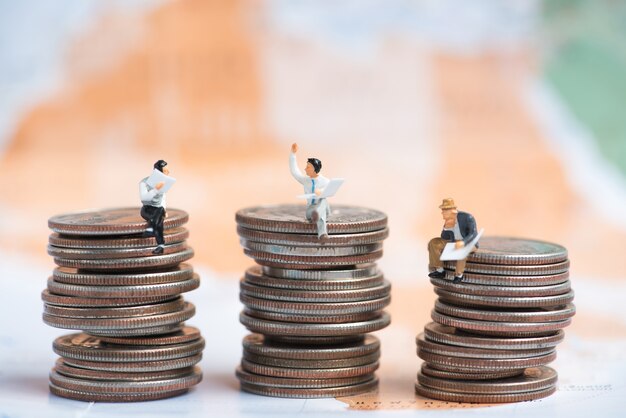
x,y
116,221
517,251
186,334
290,219
483,398
126,264
70,275
548,314
283,382
255,276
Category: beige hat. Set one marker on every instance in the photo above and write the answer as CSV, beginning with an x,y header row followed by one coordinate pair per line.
x,y
448,203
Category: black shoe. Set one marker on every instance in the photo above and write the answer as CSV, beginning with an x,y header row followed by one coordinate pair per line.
x,y
457,279
437,274
158,250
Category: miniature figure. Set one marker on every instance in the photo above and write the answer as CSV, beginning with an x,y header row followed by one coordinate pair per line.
x,y
459,228
317,209
152,193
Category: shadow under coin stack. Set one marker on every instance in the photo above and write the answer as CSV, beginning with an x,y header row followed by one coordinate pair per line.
x,y
311,302
127,301
494,333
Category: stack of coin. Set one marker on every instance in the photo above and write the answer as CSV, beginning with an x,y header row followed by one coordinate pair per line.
x,y
127,301
495,331
311,301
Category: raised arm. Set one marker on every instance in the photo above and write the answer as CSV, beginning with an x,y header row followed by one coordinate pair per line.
x,y
293,165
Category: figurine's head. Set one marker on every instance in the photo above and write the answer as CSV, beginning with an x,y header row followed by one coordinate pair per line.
x,y
313,167
448,209
160,165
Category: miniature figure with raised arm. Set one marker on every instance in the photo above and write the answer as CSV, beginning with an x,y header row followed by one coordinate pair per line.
x,y
314,183
458,238
152,193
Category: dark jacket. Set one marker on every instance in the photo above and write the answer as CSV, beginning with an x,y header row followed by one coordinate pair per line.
x,y
467,225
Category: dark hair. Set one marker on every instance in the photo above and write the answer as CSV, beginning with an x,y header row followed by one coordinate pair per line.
x,y
160,164
317,164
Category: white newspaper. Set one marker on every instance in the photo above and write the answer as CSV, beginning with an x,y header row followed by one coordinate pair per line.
x,y
329,191
450,253
157,177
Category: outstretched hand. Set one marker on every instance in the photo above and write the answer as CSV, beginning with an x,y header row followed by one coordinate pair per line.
x,y
294,147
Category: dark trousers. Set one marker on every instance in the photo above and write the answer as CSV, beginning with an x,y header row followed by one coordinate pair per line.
x,y
155,217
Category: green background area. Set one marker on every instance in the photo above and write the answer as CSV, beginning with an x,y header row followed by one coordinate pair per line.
x,y
586,63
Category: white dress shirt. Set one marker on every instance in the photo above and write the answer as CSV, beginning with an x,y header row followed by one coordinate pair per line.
x,y
310,184
150,195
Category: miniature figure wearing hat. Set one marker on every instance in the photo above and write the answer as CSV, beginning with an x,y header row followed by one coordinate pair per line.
x,y
460,228
317,209
153,199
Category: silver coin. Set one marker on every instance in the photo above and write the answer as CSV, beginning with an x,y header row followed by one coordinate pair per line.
x,y
307,329
338,308
358,272
135,366
320,251
535,378
121,264
108,386
509,291
430,371
85,396
123,312
505,302
310,262
305,240
482,398
450,335
512,270
95,325
283,382
68,275
258,344
314,296
550,314
255,276
309,393
111,253
311,364
86,347
482,353
149,290
291,219
170,236
315,319
334,373
517,251
112,221
445,362
523,281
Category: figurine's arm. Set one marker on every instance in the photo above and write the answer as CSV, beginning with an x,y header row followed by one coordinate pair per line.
x,y
145,194
293,166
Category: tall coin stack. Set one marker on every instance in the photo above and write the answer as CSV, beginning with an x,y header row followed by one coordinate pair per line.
x,y
311,302
127,301
494,333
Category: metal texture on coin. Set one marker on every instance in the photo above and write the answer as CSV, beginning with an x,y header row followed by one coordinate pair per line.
x,y
320,251
500,280
311,364
120,264
339,308
170,236
283,382
110,253
535,378
148,290
255,276
548,314
512,270
505,301
471,352
123,312
73,301
474,364
136,366
81,346
115,221
308,393
510,291
289,218
112,397
69,275
80,373
357,272
186,334
256,343
308,329
482,398
304,240
450,335
442,374
517,251
313,296
310,262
